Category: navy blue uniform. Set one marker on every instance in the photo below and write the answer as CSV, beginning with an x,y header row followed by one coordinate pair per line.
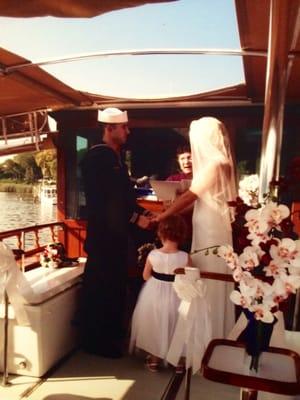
x,y
111,210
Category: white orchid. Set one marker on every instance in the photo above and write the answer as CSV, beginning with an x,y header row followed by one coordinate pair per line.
x,y
262,313
228,254
237,298
275,269
274,213
255,223
248,259
249,288
295,259
285,285
238,274
285,251
257,238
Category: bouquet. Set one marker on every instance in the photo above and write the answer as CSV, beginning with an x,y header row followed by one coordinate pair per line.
x,y
53,255
248,189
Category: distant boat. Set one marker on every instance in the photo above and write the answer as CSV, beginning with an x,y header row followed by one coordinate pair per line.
x,y
48,192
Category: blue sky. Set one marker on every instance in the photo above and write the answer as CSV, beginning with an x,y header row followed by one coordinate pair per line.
x,y
180,24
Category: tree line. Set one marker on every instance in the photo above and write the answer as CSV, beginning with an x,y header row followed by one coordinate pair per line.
x,y
30,167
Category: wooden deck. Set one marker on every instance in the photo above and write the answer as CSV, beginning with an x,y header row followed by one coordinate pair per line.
x,y
81,376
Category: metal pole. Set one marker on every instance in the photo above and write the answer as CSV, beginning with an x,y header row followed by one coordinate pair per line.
x,y
248,394
188,376
5,341
295,325
22,251
276,83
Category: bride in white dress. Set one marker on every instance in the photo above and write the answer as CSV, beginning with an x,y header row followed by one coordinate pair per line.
x,y
213,185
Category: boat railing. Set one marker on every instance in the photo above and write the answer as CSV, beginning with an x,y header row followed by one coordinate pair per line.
x,y
28,256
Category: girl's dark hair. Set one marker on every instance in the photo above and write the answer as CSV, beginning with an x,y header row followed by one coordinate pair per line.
x,y
172,228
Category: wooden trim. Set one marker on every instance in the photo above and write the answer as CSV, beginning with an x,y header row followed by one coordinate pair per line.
x,y
251,382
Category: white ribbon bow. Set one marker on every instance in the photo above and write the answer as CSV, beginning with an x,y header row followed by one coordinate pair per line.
x,y
193,328
14,282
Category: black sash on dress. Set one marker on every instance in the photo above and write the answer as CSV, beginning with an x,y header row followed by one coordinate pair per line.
x,y
163,277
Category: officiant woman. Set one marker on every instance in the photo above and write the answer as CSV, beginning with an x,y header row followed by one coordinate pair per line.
x,y
184,161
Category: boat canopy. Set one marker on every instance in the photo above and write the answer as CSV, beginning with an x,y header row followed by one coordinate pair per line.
x,y
67,8
26,87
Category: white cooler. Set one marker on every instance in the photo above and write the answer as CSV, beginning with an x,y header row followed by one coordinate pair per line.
x,y
33,349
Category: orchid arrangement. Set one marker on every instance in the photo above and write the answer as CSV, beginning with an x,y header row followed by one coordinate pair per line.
x,y
265,261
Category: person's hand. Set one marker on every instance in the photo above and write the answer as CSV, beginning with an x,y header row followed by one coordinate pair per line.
x,y
144,222
149,214
142,181
155,219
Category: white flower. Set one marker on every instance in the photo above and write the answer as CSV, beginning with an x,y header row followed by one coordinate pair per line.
x,y
248,259
262,313
285,285
255,223
249,288
249,183
237,298
248,189
275,269
257,238
295,257
274,213
227,253
238,274
265,292
285,251
258,227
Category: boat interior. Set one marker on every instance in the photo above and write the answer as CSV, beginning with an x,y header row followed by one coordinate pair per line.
x,y
262,116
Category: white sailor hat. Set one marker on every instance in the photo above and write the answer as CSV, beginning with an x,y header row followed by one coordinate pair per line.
x,y
112,116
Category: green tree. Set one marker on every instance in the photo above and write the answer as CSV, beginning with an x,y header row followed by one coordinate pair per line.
x,y
32,172
47,161
12,170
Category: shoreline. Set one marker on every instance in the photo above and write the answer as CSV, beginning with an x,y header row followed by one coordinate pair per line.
x,y
17,187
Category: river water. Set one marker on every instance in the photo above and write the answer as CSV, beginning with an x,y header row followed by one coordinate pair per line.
x,y
19,210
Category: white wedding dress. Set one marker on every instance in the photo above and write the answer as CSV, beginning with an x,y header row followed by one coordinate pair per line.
x,y
214,184
211,228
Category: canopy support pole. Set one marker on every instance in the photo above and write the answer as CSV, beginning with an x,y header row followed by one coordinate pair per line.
x,y
282,25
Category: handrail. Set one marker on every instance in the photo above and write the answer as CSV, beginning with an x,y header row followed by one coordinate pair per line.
x,y
20,235
15,232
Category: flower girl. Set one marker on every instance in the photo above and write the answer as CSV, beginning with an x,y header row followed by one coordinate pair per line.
x,y
155,315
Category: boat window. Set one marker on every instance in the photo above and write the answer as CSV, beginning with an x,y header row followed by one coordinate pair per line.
x,y
76,144
81,149
142,153
247,151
